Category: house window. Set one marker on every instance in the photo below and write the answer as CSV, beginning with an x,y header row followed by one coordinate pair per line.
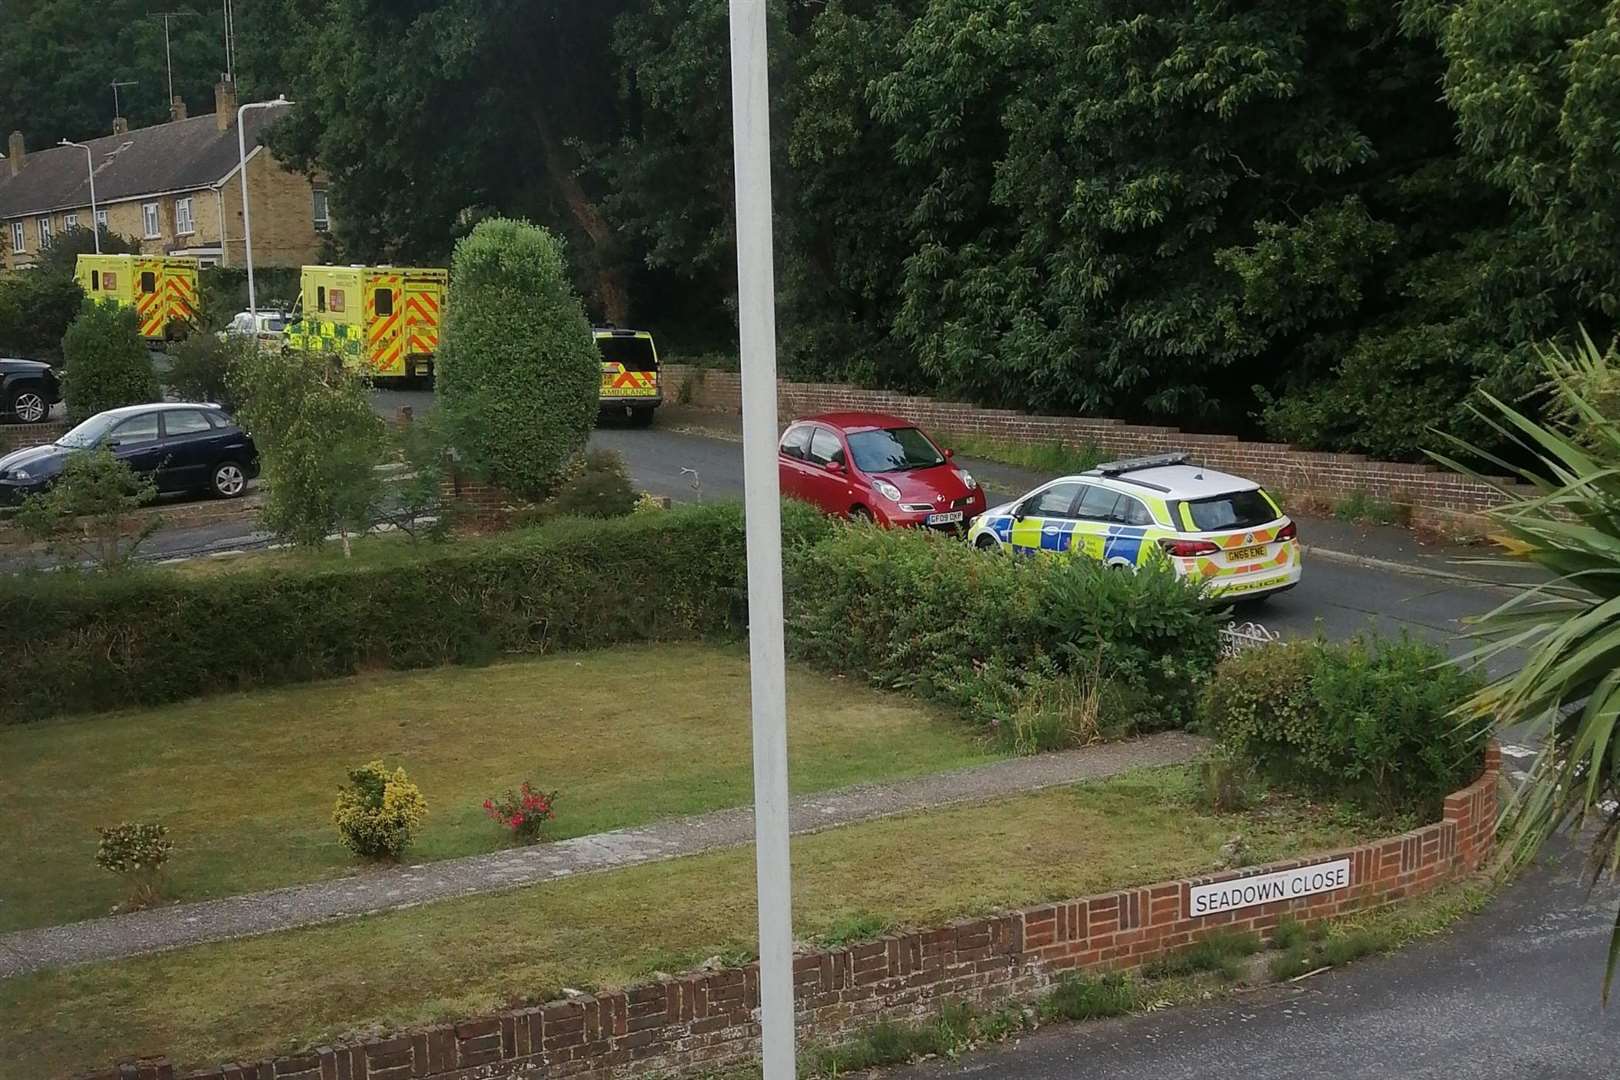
x,y
183,225
323,221
16,238
101,219
149,216
44,231
70,221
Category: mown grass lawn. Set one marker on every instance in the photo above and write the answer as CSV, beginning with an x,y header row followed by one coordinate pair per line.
x,y
245,999
246,782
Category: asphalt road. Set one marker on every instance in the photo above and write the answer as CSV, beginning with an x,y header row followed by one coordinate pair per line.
x,y
1509,994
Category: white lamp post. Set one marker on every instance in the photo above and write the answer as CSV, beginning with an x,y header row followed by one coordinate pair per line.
x,y
756,301
247,219
90,164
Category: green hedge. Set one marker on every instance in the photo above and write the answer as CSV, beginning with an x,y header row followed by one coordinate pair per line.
x,y
77,643
996,636
1369,719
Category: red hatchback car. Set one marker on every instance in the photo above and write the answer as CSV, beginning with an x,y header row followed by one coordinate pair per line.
x,y
878,468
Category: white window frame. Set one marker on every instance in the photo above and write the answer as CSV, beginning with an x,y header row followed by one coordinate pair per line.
x,y
70,221
152,220
19,238
101,219
184,223
45,231
321,210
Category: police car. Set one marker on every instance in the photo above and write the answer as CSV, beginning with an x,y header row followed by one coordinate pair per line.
x,y
1210,525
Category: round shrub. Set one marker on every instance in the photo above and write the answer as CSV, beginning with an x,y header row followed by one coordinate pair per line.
x,y
1370,719
137,852
518,370
597,486
378,812
107,362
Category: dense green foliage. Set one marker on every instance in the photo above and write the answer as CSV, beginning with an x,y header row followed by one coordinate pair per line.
x,y
998,637
35,311
378,812
107,362
62,54
202,368
1327,221
86,511
518,371
597,485
1567,688
319,443
1369,719
60,257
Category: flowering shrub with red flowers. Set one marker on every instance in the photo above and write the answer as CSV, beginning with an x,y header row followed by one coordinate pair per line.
x,y
524,812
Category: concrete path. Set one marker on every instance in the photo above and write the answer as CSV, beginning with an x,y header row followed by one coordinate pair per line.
x,y
383,890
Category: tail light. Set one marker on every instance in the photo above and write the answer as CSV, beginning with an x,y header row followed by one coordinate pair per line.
x,y
1186,549
1289,532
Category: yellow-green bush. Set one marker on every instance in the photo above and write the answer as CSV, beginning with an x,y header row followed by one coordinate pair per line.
x,y
378,812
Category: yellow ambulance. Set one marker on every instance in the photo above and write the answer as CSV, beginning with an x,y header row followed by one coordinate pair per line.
x,y
162,289
383,319
629,373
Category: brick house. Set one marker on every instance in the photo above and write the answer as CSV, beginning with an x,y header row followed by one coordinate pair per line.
x,y
174,188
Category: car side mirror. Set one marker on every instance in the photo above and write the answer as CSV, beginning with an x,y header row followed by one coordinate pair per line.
x,y
949,453
835,466
112,444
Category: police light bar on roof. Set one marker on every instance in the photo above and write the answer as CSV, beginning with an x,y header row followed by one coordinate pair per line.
x,y
1159,461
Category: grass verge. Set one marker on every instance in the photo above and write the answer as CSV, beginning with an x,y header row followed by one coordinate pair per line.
x,y
1050,457
466,957
246,782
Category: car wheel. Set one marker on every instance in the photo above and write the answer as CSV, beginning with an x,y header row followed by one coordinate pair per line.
x,y
29,406
860,515
986,542
229,480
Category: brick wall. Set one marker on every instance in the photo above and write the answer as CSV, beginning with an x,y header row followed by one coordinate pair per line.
x,y
711,1019
1437,497
22,436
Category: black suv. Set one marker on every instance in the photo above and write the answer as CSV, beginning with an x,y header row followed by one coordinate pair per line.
x,y
28,389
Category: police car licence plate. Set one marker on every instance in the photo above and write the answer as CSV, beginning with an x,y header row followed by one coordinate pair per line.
x,y
1244,554
950,518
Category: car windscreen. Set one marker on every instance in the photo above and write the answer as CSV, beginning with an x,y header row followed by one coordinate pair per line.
x,y
1235,510
274,326
89,433
635,353
893,450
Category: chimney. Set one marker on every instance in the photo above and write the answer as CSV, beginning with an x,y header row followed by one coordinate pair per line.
x,y
16,153
120,125
224,104
177,108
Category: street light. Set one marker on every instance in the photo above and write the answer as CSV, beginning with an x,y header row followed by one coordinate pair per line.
x,y
756,306
247,219
90,164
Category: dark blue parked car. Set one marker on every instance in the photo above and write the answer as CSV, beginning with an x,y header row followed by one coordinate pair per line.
x,y
182,447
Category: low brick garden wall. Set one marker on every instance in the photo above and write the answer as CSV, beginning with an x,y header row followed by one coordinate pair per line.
x,y
1438,498
22,436
711,1019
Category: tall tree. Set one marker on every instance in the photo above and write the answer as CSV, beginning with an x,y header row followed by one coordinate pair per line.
x,y
428,114
63,55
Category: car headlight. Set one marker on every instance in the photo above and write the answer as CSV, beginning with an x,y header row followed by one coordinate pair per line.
x,y
967,479
20,474
887,490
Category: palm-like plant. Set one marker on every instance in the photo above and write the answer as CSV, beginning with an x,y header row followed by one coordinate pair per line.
x,y
1569,687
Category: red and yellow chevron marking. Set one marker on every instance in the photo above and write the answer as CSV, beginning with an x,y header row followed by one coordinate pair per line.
x,y
149,309
182,300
